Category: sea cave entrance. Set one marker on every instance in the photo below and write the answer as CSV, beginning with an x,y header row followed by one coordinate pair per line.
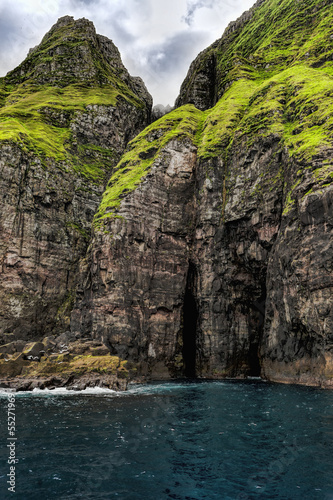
x,y
190,320
256,330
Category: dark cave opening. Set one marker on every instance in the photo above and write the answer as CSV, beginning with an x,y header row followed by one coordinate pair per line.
x,y
254,361
190,320
256,334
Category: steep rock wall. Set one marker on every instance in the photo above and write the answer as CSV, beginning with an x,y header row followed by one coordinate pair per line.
x,y
253,283
133,283
211,248
233,240
297,344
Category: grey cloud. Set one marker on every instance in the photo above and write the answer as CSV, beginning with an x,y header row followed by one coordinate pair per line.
x,y
14,38
108,16
193,6
117,29
79,3
174,52
166,64
9,25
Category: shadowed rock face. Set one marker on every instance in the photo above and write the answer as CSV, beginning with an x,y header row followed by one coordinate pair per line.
x,y
202,90
299,321
136,271
75,107
227,270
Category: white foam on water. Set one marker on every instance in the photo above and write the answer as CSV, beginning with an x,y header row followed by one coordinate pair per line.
x,y
165,387
133,389
153,389
62,391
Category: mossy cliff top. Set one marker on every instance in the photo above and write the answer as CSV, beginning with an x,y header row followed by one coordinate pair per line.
x,y
141,153
71,72
273,73
71,52
270,74
269,38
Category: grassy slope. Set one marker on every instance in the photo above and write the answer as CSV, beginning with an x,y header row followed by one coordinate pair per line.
x,y
275,75
29,106
26,117
142,151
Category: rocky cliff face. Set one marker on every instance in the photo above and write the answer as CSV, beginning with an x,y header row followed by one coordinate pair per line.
x,y
133,288
212,247
67,113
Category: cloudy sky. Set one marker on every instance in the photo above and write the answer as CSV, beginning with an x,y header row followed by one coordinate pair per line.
x,y
157,39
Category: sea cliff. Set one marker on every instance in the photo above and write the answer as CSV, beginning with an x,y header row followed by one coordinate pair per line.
x,y
196,245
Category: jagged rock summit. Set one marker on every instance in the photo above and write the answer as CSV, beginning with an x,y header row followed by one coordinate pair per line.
x,y
70,53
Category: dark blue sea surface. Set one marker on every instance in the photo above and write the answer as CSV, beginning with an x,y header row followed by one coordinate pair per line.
x,y
180,440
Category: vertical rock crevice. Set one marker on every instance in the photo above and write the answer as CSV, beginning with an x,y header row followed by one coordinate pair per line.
x,y
190,322
256,331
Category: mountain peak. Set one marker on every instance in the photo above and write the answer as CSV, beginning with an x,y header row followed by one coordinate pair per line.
x,y
71,52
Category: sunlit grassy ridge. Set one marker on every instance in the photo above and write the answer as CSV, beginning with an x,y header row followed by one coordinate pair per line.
x,y
37,118
274,76
277,69
141,153
279,34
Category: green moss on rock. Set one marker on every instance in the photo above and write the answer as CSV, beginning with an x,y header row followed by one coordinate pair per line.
x,y
65,365
73,71
273,75
38,120
141,154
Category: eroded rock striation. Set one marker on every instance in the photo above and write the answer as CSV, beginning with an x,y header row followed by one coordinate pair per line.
x,y
212,247
134,280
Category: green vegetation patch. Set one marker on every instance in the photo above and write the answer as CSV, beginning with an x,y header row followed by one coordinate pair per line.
x,y
296,104
221,121
141,154
67,74
78,365
38,119
279,34
69,54
65,365
274,75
